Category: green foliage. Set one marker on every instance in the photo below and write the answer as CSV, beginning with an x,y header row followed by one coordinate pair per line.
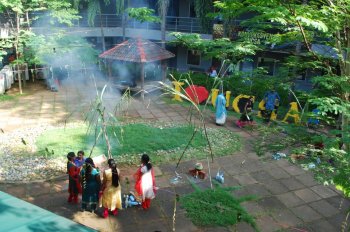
x,y
331,85
308,23
222,48
47,49
341,179
120,4
5,97
59,11
143,14
200,79
202,9
332,164
216,207
62,11
94,8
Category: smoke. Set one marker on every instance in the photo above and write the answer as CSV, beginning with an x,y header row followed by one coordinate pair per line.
x,y
72,63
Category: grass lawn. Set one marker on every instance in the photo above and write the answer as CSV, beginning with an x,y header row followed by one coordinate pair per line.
x,y
163,143
5,97
11,97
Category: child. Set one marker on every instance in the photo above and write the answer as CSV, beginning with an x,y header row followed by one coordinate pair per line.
x,y
79,160
74,187
145,182
246,117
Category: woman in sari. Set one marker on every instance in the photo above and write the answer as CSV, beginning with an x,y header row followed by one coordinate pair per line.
x,y
74,187
220,113
145,182
111,199
91,183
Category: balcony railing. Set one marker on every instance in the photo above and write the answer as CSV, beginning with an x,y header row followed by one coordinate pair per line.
x,y
176,24
179,24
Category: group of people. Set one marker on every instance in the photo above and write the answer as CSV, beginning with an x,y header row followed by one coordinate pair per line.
x,y
271,99
85,179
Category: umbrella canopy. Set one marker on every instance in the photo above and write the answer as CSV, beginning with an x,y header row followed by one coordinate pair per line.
x,y
198,94
137,50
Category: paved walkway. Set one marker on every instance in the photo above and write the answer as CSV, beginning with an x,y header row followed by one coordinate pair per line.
x,y
289,199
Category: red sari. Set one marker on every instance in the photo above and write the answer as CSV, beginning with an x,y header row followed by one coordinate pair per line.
x,y
145,185
74,187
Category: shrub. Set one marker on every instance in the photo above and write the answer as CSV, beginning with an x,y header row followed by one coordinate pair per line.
x,y
216,207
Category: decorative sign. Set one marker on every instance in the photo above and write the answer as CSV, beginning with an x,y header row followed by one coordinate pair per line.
x,y
254,37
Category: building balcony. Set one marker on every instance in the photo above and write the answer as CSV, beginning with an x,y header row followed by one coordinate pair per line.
x,y
175,24
112,27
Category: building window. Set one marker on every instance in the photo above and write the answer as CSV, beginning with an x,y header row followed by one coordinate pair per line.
x,y
192,12
268,64
193,57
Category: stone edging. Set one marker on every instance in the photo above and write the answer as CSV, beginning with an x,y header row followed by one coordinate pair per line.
x,y
33,181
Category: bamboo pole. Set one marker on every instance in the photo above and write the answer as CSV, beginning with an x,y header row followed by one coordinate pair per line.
x,y
142,81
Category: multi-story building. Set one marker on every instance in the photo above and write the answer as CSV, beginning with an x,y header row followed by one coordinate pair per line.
x,y
181,17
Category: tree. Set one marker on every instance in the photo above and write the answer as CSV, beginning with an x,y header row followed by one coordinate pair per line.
x,y
322,28
59,10
223,48
326,22
94,8
202,9
163,6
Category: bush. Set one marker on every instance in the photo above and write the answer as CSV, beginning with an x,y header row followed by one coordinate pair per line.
x,y
195,78
216,207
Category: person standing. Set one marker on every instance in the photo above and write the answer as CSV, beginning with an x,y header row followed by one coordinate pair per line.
x,y
246,117
91,183
220,113
111,197
79,160
74,187
272,100
145,182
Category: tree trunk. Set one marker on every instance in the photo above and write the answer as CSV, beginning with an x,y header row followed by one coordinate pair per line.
x,y
17,55
124,19
346,95
142,81
163,8
102,33
123,25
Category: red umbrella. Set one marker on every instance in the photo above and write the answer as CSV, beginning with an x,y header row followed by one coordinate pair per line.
x,y
197,94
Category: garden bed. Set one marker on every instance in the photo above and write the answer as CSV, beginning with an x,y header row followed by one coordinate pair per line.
x,y
40,152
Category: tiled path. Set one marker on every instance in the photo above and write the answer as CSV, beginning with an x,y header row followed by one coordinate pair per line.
x,y
289,199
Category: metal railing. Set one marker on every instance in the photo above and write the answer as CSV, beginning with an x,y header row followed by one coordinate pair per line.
x,y
175,24
178,24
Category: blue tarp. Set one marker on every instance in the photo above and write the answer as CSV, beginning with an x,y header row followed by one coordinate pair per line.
x,y
17,215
